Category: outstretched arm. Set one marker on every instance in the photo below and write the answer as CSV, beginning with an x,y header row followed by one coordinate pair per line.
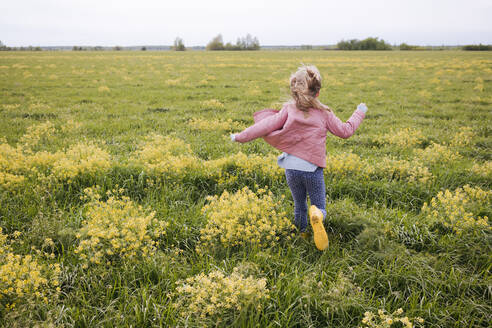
x,y
262,128
346,130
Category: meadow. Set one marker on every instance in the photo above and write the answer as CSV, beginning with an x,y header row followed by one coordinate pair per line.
x,y
123,202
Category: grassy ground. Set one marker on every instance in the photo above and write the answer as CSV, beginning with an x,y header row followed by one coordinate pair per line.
x,y
147,132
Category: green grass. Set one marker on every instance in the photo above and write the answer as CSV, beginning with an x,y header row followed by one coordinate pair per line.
x,y
383,253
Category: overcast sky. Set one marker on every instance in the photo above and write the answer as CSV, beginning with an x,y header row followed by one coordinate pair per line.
x,y
274,22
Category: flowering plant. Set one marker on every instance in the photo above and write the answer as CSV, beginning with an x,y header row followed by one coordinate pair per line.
x,y
218,297
459,209
23,278
116,228
386,320
243,218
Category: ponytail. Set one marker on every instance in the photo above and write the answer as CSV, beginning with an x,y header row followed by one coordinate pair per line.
x,y
304,88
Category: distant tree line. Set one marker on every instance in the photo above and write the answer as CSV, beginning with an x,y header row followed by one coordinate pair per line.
x,y
306,47
478,47
80,48
405,46
246,43
3,47
366,44
380,44
114,48
251,43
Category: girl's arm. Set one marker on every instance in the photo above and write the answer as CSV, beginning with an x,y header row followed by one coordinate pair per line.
x,y
346,130
263,127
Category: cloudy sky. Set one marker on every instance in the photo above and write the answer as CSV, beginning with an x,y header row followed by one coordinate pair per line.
x,y
274,22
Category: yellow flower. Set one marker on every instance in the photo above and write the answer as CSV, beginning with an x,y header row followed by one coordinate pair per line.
x,y
81,159
103,88
463,137
386,320
212,104
216,295
214,125
459,210
116,227
404,138
22,277
242,218
437,153
483,169
35,134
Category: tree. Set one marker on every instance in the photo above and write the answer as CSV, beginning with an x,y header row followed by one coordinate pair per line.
x,y
479,47
405,46
246,43
374,44
230,46
366,44
216,43
144,48
250,43
179,44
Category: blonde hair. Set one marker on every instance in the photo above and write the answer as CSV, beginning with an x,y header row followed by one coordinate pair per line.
x,y
304,87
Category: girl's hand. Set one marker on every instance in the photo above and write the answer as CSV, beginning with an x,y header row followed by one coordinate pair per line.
x,y
362,107
233,137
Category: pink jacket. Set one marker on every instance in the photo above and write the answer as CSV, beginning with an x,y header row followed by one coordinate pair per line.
x,y
297,133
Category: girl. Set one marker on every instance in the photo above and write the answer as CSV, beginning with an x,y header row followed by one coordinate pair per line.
x,y
299,130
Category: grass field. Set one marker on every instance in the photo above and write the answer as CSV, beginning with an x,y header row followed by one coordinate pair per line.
x,y
123,203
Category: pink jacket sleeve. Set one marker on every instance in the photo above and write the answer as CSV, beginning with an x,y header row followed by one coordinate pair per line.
x,y
344,130
263,127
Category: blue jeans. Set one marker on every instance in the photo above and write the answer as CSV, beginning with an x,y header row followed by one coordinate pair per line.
x,y
301,184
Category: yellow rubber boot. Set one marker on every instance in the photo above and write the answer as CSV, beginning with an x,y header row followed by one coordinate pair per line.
x,y
319,233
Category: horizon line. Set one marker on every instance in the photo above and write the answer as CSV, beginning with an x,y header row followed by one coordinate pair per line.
x,y
204,46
